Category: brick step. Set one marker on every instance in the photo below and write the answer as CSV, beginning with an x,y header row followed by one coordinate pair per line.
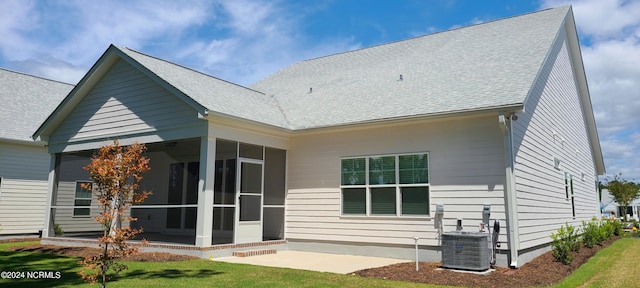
x,y
249,253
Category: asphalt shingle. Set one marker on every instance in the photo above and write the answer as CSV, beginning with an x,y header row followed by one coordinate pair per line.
x,y
472,68
212,93
26,102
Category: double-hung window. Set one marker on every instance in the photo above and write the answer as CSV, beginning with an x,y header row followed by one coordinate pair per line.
x,y
385,185
82,199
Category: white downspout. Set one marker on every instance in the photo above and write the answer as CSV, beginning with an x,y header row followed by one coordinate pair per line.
x,y
509,190
49,218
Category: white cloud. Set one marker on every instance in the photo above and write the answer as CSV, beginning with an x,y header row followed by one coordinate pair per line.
x,y
602,19
240,41
248,16
625,158
16,18
259,39
73,34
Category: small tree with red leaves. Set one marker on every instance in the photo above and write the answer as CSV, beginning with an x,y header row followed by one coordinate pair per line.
x,y
116,172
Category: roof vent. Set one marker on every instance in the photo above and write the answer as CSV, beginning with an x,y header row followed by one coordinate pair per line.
x,y
310,90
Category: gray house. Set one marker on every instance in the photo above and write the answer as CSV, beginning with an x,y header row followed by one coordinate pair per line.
x,y
24,164
348,153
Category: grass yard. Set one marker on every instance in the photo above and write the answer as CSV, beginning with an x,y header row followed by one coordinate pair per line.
x,y
192,273
611,267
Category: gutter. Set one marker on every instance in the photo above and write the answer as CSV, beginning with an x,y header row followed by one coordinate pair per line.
x,y
509,188
23,142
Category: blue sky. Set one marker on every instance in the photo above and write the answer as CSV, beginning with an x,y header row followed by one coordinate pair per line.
x,y
244,41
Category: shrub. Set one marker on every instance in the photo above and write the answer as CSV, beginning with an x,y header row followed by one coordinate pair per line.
x,y
57,230
564,242
618,227
608,228
593,233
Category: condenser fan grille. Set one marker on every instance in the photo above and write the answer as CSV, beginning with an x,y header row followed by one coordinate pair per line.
x,y
465,250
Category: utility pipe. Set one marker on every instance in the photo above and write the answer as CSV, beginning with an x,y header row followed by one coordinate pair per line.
x,y
416,240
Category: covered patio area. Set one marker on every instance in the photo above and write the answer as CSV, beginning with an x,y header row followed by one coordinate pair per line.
x,y
239,199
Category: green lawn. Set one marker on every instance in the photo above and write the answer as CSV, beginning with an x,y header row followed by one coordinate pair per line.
x,y
192,273
611,267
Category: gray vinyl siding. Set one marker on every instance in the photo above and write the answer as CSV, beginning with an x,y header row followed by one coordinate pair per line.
x,y
125,102
23,191
466,171
553,105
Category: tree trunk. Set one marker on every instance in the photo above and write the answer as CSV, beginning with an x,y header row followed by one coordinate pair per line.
x,y
105,255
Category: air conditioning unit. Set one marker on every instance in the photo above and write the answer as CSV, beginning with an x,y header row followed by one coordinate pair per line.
x,y
466,250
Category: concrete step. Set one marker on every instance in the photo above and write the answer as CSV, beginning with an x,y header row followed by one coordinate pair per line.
x,y
249,253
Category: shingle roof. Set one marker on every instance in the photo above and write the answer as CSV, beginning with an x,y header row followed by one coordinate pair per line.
x,y
214,94
26,102
472,68
485,66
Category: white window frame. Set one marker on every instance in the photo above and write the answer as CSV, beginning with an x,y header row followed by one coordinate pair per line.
x,y
398,187
76,198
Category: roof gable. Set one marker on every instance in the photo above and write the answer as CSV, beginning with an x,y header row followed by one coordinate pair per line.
x,y
205,94
125,101
26,101
215,95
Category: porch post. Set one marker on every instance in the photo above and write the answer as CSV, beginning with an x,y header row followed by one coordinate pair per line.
x,y
204,221
47,228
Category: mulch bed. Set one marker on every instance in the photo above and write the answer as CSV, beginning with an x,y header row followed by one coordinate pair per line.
x,y
541,271
85,251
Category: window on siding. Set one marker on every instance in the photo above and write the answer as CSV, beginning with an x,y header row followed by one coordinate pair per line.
x,y
82,199
568,190
353,171
354,201
388,185
573,202
382,170
383,201
567,178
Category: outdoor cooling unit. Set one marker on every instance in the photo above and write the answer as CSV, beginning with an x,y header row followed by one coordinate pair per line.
x,y
466,250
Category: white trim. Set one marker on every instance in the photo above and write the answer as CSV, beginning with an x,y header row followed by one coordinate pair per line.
x,y
239,233
164,206
134,206
206,175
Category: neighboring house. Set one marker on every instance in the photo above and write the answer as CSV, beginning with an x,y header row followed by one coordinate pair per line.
x,y
609,206
352,152
24,164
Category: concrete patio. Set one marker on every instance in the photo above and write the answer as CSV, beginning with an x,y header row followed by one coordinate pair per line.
x,y
322,262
